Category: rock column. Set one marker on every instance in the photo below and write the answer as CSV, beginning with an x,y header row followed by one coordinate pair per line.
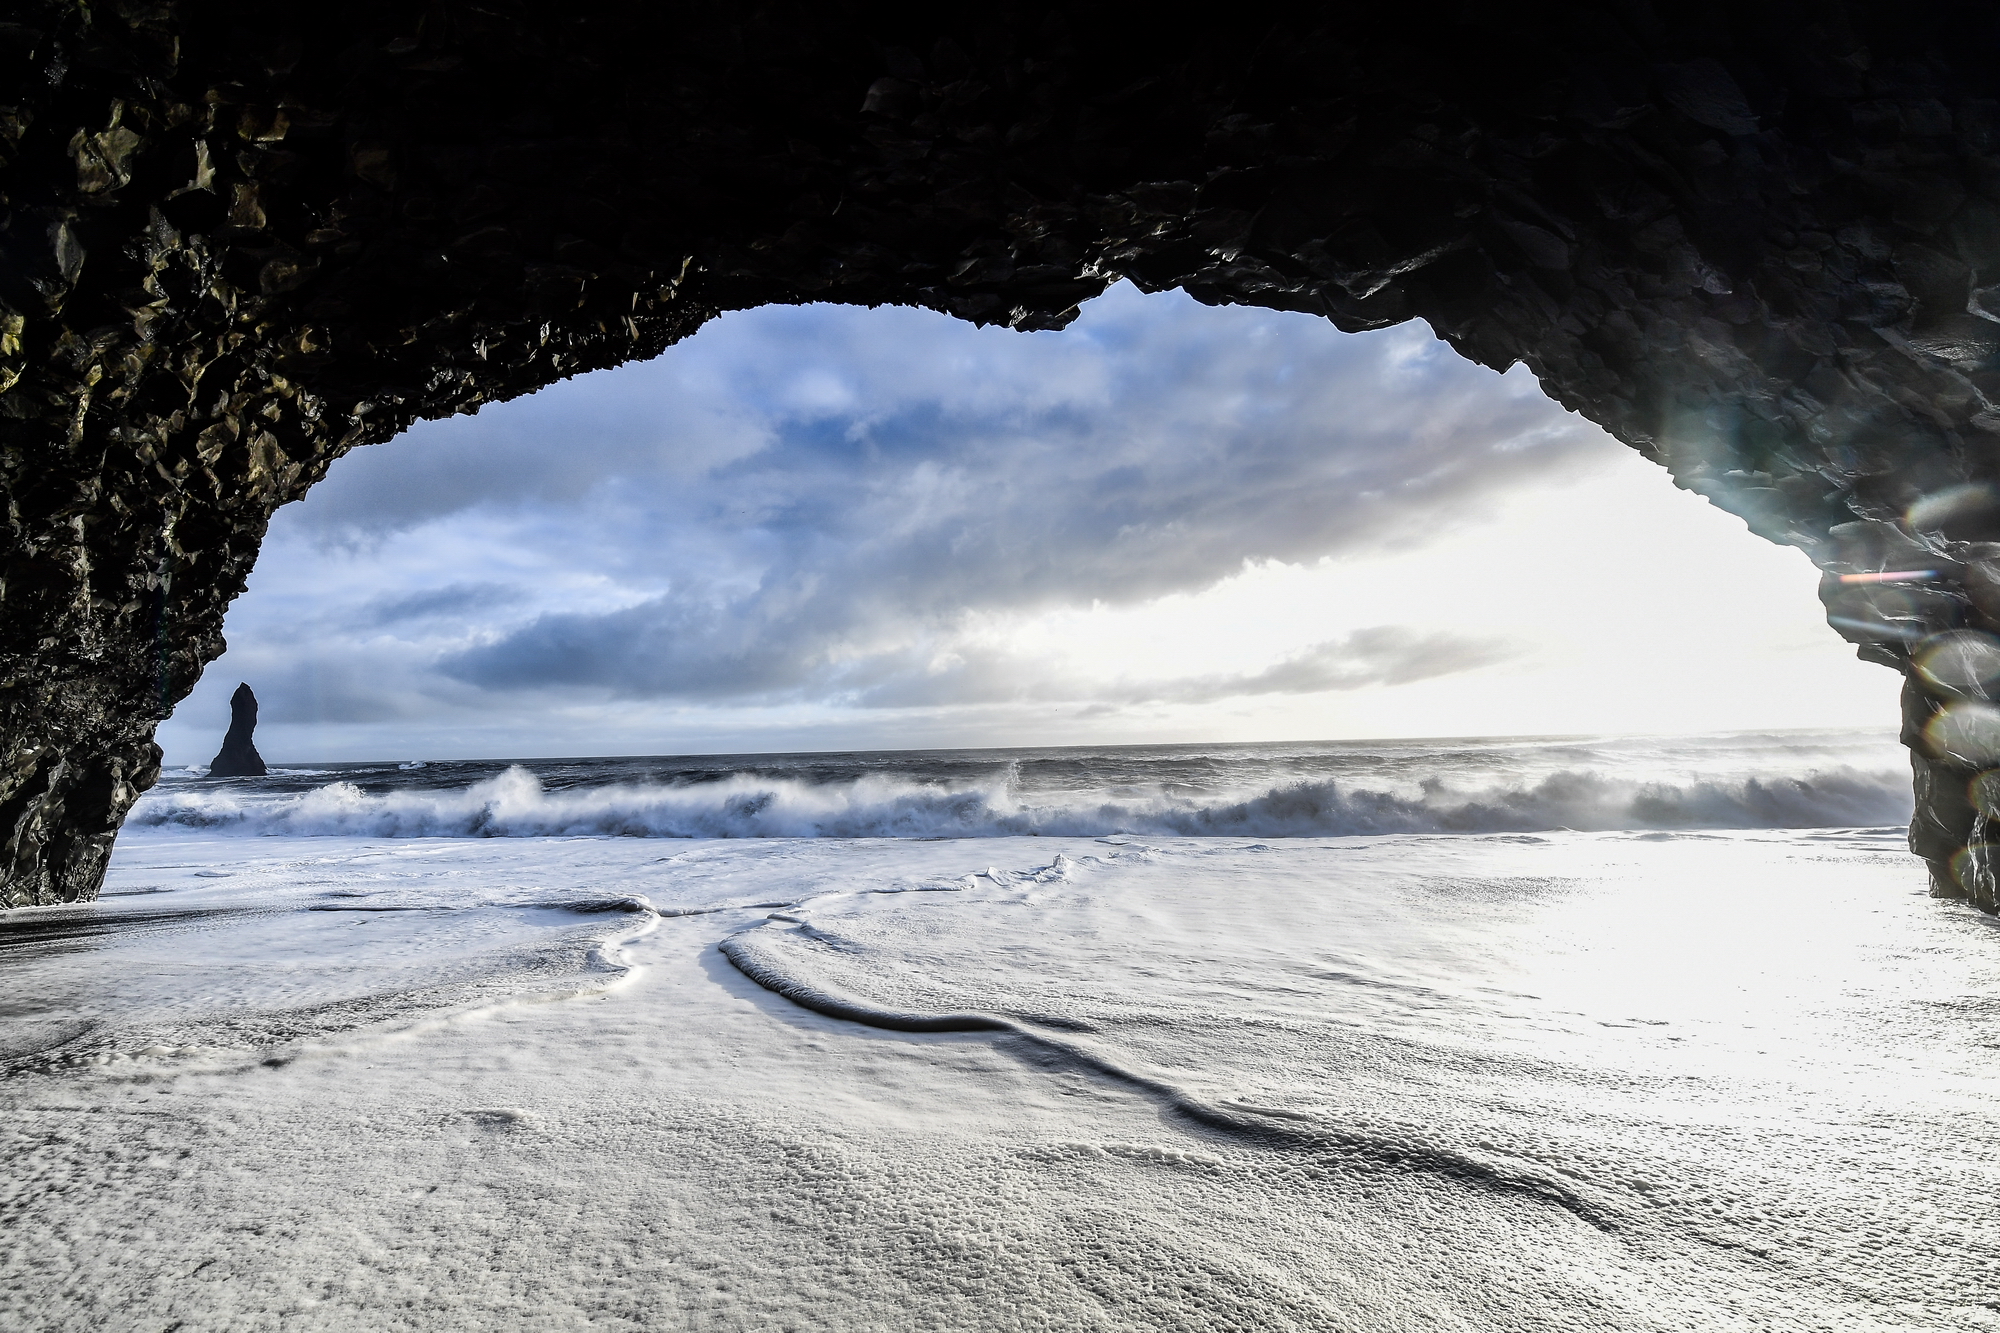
x,y
238,757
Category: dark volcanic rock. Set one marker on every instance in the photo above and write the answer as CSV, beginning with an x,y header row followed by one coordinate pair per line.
x,y
1759,241
238,757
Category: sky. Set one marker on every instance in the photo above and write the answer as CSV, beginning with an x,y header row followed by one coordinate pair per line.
x,y
827,527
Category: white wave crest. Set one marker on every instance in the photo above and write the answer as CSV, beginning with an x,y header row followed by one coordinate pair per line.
x,y
515,804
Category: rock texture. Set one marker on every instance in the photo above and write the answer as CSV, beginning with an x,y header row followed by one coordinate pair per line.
x,y
238,757
1758,241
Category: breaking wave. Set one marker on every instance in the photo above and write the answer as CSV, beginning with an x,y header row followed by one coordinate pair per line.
x,y
515,804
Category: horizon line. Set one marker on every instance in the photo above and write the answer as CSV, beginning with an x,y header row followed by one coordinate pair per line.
x,y
1122,745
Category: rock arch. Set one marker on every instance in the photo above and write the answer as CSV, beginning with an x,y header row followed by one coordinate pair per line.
x,y
1759,242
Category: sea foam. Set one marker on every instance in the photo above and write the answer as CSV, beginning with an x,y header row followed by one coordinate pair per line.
x,y
515,803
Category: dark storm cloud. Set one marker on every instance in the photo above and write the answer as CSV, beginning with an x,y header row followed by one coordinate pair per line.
x,y
459,600
676,648
810,496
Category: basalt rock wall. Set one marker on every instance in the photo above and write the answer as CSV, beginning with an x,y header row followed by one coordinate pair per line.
x,y
1759,242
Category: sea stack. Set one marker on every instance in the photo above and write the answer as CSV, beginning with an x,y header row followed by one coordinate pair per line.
x,y
238,757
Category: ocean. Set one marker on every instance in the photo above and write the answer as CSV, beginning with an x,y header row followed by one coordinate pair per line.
x,y
1515,1033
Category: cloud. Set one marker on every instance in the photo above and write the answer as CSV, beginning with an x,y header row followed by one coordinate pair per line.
x,y
828,508
1381,655
457,600
820,484
682,654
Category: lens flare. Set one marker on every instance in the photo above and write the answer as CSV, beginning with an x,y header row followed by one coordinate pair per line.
x,y
1892,576
1876,629
1961,662
1966,732
1955,506
1984,793
1976,864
